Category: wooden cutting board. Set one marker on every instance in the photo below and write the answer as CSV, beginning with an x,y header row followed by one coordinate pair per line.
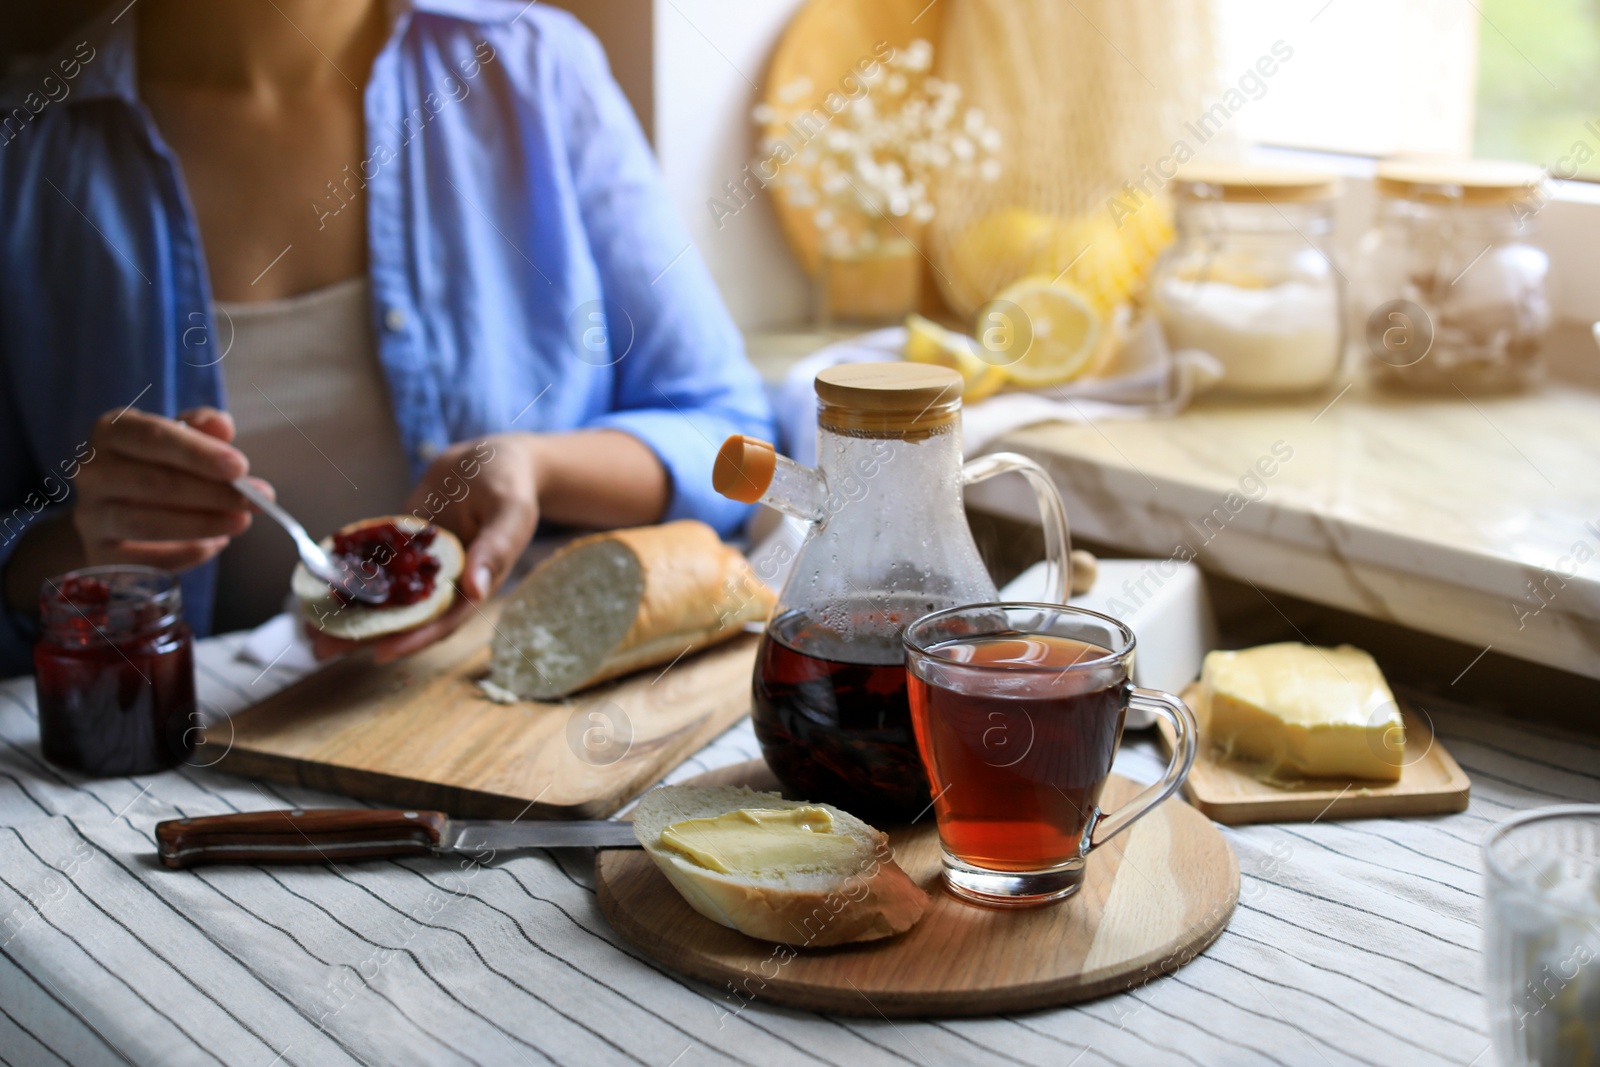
x,y
1153,898
1431,782
419,733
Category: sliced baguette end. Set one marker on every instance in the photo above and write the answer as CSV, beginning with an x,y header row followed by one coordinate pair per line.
x,y
613,603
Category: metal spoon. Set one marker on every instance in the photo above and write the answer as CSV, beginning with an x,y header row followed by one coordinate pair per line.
x,y
343,578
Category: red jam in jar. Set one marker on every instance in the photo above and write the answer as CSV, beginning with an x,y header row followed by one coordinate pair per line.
x,y
393,556
114,671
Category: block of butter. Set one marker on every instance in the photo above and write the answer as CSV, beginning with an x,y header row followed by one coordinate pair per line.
x,y
1297,711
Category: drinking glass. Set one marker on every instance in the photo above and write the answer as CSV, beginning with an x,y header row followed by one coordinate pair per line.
x,y
1542,936
1018,709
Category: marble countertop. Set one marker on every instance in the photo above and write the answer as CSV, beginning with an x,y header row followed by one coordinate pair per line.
x,y
1477,520
1474,519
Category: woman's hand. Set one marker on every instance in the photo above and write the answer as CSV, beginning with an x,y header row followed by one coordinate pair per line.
x,y
155,490
486,492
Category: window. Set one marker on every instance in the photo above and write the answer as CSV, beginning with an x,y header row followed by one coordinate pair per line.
x,y
1368,77
1498,79
1502,79
1538,92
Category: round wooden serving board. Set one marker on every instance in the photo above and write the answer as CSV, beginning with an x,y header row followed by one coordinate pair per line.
x,y
1154,898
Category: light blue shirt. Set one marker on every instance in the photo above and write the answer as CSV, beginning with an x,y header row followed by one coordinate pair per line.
x,y
528,271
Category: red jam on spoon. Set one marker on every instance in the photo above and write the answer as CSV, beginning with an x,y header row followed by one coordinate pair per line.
x,y
385,552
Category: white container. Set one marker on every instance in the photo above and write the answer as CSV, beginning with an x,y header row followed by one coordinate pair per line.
x,y
1162,601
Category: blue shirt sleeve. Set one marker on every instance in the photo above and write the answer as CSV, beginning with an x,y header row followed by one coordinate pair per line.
x,y
682,381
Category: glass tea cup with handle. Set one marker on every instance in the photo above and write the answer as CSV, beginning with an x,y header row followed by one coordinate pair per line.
x,y
1018,710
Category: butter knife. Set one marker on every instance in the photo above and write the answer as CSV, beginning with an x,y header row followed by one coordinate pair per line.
x,y
322,835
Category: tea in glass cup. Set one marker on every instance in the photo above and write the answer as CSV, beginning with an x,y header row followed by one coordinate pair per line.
x,y
1018,710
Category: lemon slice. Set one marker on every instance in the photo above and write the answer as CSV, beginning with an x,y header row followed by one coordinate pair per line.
x,y
1042,331
928,342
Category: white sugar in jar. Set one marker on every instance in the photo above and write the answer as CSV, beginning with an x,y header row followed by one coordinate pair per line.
x,y
1249,279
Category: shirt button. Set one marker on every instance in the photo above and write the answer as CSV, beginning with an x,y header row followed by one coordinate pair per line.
x,y
394,320
427,450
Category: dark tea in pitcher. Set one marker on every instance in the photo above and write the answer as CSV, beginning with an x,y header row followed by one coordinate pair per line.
x,y
831,712
886,543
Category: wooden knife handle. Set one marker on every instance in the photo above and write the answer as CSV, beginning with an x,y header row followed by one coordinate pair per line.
x,y
299,836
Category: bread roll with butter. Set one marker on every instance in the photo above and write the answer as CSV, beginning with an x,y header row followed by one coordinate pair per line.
x,y
616,602
1297,711
810,894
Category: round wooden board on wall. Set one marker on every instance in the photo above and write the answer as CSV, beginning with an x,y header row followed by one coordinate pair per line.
x,y
822,44
1153,898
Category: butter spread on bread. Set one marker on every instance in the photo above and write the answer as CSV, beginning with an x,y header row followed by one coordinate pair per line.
x,y
1297,711
753,840
783,882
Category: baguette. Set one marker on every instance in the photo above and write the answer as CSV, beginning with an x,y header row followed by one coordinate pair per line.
x,y
361,622
865,898
617,602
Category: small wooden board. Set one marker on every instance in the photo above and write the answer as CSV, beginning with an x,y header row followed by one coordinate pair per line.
x,y
419,733
1153,898
1431,783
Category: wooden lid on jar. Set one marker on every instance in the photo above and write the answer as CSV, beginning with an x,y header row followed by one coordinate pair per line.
x,y
893,399
1450,181
1246,183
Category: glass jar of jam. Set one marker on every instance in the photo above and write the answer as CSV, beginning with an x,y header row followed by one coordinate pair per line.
x,y
114,671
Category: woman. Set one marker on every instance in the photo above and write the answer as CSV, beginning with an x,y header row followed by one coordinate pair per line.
x,y
381,261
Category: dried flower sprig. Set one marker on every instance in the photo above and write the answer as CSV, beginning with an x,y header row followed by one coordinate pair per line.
x,y
870,163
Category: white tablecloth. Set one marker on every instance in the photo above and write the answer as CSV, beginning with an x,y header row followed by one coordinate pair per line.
x,y
1354,943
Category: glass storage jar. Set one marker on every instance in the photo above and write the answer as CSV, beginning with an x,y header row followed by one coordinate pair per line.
x,y
114,671
1249,278
1447,292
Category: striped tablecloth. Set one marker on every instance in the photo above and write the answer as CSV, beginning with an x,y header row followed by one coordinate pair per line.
x,y
1354,942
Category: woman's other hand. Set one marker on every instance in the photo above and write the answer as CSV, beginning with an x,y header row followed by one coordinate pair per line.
x,y
486,492
156,490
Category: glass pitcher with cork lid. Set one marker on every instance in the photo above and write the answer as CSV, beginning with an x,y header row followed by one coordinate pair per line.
x,y
888,542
